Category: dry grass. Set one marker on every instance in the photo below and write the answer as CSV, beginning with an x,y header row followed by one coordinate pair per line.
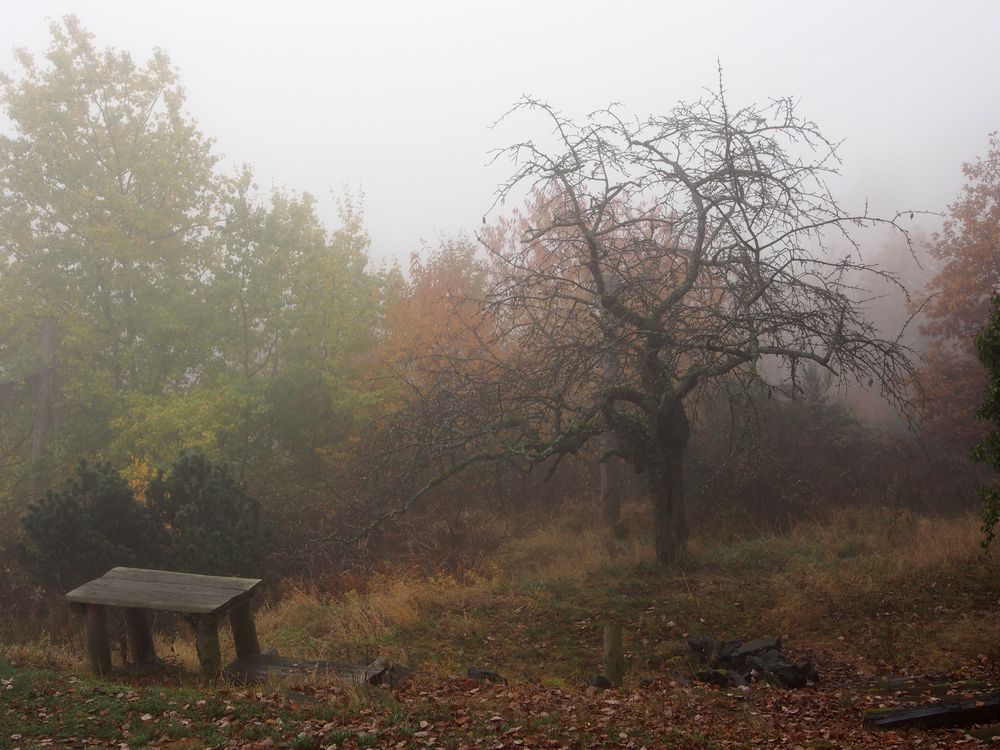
x,y
890,588
358,626
569,549
574,546
44,652
900,542
897,587
868,558
177,648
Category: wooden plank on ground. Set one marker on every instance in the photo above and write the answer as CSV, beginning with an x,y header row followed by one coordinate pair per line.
x,y
979,710
930,685
261,667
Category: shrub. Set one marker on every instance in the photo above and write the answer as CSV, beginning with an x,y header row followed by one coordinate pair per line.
x,y
211,523
91,526
770,461
196,517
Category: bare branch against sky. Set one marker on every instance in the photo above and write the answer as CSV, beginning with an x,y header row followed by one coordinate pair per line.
x,y
398,97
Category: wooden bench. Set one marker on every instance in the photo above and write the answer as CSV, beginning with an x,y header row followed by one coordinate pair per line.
x,y
136,590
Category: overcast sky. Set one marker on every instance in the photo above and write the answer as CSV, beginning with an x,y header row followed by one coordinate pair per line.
x,y
398,98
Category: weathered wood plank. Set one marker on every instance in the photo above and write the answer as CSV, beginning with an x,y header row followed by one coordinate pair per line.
x,y
945,714
167,589
930,686
143,598
182,595
189,579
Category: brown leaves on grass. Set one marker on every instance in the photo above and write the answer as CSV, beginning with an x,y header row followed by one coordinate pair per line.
x,y
440,712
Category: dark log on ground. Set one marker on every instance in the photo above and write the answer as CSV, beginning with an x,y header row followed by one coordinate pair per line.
x,y
980,710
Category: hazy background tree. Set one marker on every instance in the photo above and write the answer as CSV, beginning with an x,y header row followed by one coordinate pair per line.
x,y
189,310
106,196
968,249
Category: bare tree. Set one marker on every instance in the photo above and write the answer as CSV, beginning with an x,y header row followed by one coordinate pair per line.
x,y
657,257
692,247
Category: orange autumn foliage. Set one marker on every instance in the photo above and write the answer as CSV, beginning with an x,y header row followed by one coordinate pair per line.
x,y
969,249
437,311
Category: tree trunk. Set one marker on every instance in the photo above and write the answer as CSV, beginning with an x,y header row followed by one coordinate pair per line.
x,y
610,482
666,482
611,504
43,407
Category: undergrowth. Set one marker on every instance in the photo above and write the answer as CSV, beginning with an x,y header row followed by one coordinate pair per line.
x,y
889,589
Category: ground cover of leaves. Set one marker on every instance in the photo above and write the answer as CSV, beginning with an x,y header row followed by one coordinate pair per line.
x,y
47,709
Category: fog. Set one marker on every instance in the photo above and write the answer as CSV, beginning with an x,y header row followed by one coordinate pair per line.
x,y
680,394
397,99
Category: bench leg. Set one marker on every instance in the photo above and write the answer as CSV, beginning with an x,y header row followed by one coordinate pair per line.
x,y
95,633
207,643
140,636
244,630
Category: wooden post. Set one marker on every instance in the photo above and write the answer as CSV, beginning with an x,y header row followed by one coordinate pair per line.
x,y
95,633
244,630
614,657
207,643
140,636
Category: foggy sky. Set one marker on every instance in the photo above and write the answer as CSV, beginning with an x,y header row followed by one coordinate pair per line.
x,y
397,98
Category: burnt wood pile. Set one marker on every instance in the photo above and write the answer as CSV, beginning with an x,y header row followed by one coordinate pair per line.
x,y
738,663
